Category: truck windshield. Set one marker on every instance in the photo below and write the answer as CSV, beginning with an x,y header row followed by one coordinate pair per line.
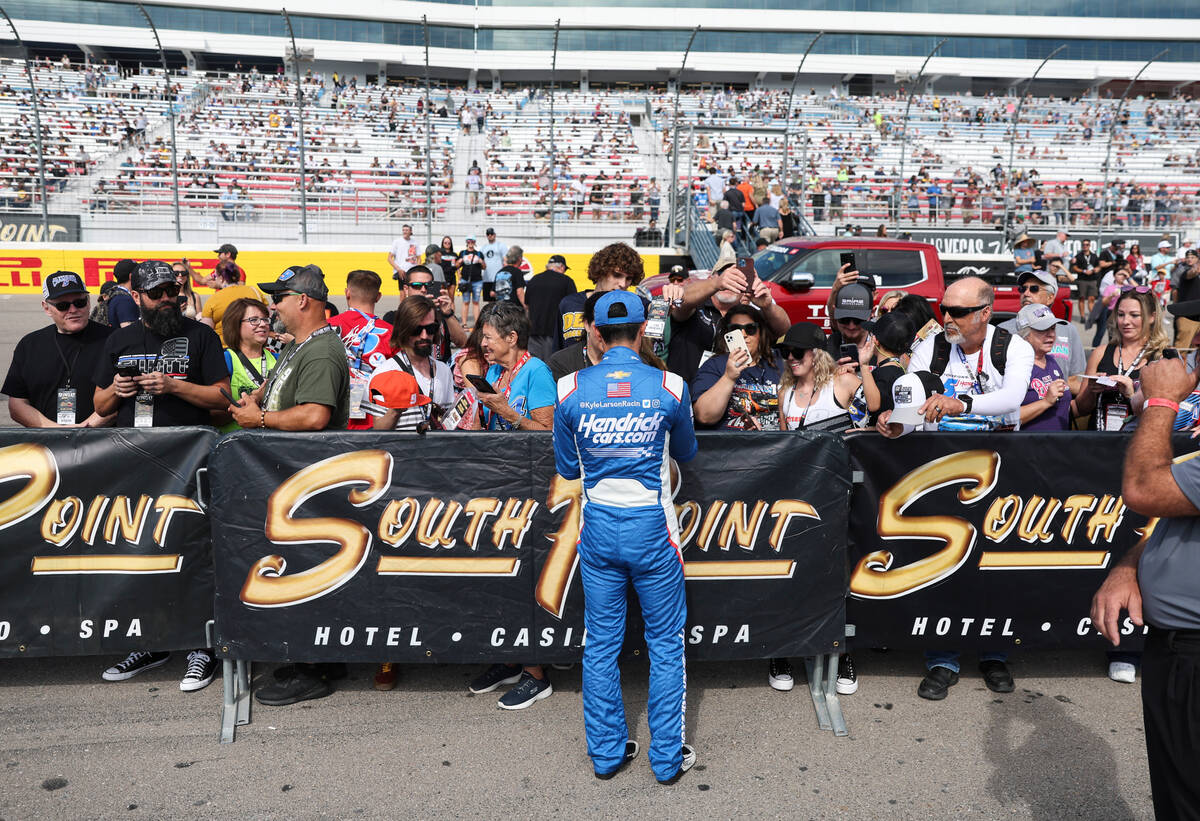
x,y
773,259
778,262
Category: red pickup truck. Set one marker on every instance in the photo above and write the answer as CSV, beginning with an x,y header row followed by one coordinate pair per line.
x,y
801,271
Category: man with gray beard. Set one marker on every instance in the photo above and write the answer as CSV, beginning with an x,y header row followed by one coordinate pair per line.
x,y
165,370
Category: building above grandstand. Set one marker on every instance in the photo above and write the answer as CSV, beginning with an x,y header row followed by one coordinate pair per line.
x,y
867,45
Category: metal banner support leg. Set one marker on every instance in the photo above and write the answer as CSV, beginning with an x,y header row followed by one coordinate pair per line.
x,y
235,700
822,687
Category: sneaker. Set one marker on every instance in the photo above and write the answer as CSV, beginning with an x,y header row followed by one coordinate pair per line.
x,y
937,683
779,675
300,687
847,678
631,751
385,676
527,691
330,671
201,667
689,761
561,666
1122,671
493,677
996,676
139,661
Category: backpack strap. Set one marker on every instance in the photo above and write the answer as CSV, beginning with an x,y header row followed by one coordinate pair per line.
x,y
941,354
1000,339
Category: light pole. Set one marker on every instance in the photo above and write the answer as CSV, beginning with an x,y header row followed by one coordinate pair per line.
x,y
300,127
553,153
904,128
1012,144
37,123
675,138
787,124
162,56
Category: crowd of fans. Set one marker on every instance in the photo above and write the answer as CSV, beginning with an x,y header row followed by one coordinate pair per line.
x,y
889,366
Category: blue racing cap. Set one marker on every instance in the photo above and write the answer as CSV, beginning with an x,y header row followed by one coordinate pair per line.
x,y
619,308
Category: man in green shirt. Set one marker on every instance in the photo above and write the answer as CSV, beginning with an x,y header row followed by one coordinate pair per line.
x,y
309,389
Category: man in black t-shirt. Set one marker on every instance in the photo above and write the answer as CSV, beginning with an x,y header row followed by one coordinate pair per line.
x,y
510,280
1085,267
543,293
737,203
165,370
49,382
1111,256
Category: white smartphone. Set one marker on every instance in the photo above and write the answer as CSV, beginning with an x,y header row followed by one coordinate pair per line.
x,y
736,341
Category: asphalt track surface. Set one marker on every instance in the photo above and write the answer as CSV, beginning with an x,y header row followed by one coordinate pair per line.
x,y
1068,743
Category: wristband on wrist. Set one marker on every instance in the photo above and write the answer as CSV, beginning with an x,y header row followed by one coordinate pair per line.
x,y
1159,402
262,418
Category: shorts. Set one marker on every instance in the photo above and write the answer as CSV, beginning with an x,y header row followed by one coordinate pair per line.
x,y
472,291
1088,288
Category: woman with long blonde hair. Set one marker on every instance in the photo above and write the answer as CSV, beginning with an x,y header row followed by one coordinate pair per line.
x,y
811,389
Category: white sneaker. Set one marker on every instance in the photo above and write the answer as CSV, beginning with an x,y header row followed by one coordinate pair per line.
x,y
1122,671
689,761
779,675
847,678
201,668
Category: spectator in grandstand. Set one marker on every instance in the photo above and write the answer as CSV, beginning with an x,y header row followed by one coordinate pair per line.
x,y
510,279
230,289
309,390
245,332
1047,404
494,252
50,381
1137,338
699,311
1185,284
1086,268
616,266
543,294
737,203
1057,256
789,223
122,309
985,371
412,340
768,222
404,253
599,195
749,203
164,371
653,199
229,203
470,281
649,237
1039,288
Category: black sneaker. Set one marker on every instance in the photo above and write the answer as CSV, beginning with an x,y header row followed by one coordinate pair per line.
x,y
299,687
139,661
937,683
996,676
631,751
847,679
201,668
689,761
527,691
493,677
779,675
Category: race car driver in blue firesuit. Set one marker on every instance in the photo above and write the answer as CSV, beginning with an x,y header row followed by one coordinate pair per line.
x,y
617,425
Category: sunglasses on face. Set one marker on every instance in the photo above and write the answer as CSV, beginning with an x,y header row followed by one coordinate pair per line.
x,y
793,353
63,307
849,320
281,296
158,291
747,328
959,311
419,286
257,320
431,329
1029,289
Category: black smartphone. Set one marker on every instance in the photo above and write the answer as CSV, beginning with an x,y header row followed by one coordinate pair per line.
x,y
228,396
848,349
847,258
481,384
129,371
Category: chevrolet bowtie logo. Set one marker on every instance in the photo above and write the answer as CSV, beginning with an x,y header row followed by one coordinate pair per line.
x,y
618,375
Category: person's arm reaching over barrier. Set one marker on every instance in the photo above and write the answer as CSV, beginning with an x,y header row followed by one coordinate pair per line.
x,y
1148,484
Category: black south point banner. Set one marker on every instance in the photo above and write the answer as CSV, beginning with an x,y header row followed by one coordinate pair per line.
x,y
105,541
461,547
988,541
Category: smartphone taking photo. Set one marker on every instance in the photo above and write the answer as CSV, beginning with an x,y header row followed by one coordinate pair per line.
x,y
480,384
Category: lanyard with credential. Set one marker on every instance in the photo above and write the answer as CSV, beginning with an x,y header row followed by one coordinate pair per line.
x,y
512,375
976,375
281,366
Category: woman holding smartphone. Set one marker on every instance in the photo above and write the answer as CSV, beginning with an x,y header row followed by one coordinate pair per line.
x,y
523,390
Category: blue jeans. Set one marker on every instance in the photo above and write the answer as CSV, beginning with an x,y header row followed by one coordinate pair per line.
x,y
949,658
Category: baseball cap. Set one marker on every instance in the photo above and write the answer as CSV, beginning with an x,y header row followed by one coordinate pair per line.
x,y
152,273
803,336
307,280
677,273
1041,276
909,393
1164,244
894,331
430,250
1118,242
558,259
1037,317
619,308
227,248
853,302
397,390
490,231
470,238
61,283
